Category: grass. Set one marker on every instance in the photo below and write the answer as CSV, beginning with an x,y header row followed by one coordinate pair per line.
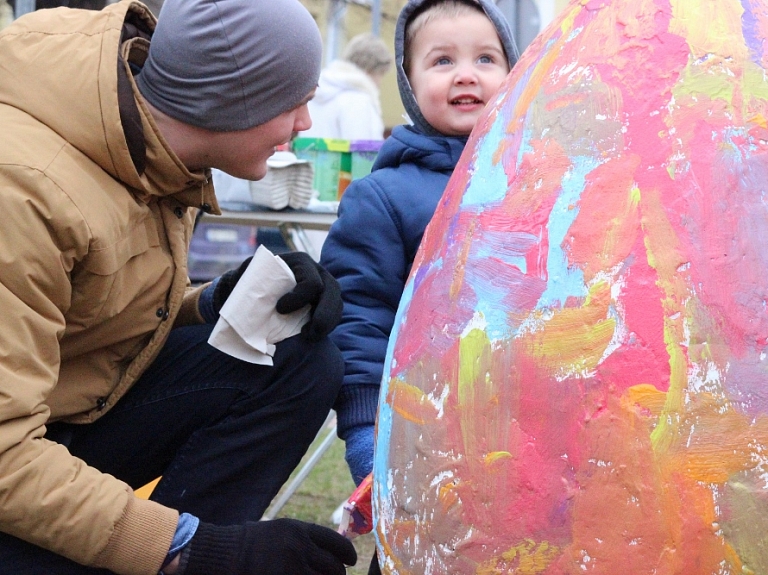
x,y
325,488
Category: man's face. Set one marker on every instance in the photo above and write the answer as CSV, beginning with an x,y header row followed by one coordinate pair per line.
x,y
244,153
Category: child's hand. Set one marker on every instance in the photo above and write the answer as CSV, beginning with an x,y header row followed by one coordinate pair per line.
x,y
359,453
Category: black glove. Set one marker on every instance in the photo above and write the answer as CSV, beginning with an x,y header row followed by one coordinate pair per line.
x,y
277,547
315,287
226,284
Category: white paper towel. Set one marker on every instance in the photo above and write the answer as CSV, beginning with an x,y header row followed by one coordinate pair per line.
x,y
249,326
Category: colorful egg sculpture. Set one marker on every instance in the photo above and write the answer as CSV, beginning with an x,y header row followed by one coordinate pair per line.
x,y
577,381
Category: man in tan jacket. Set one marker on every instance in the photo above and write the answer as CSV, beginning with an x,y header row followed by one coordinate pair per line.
x,y
110,122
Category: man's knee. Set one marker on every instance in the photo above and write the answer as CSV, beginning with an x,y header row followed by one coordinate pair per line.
x,y
320,365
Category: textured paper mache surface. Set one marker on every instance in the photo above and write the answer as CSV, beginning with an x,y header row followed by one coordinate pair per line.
x,y
576,382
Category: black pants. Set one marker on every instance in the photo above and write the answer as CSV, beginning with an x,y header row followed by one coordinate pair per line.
x,y
224,434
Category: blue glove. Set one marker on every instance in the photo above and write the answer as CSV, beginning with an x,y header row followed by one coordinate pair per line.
x,y
359,454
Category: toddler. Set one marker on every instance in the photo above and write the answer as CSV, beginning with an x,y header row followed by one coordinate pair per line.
x,y
451,58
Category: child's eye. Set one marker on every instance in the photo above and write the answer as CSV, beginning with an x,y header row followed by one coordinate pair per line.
x,y
443,61
485,59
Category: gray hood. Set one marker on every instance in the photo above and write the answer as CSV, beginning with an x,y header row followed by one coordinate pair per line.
x,y
406,92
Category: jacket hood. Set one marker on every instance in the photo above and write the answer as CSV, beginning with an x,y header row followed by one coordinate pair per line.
x,y
66,68
342,76
407,145
413,8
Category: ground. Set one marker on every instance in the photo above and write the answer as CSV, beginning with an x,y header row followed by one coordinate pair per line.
x,y
325,488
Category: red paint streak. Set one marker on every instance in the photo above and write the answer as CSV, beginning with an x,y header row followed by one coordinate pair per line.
x,y
608,222
643,356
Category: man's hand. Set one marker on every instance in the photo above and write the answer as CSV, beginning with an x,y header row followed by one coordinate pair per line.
x,y
277,547
226,283
314,287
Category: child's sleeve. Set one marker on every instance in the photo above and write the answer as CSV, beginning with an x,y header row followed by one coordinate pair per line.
x,y
365,252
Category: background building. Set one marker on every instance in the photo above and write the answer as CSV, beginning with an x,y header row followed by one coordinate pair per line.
x,y
340,20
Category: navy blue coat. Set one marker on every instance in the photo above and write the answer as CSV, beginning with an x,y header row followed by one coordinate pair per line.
x,y
370,250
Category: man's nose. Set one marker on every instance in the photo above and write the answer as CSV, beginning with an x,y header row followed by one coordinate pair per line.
x,y
303,120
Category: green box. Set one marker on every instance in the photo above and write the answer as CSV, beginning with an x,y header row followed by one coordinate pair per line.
x,y
336,162
332,161
364,153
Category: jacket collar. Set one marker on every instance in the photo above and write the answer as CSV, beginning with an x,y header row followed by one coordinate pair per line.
x,y
160,171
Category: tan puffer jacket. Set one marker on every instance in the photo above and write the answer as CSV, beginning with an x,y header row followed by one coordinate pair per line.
x,y
92,274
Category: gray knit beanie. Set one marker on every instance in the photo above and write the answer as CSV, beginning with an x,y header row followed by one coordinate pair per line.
x,y
227,65
412,9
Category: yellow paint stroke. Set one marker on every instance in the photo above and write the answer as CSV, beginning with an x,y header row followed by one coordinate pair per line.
x,y
645,396
475,393
712,441
474,365
759,120
697,80
448,496
526,558
678,382
410,402
710,27
494,456
665,256
755,84
576,338
732,88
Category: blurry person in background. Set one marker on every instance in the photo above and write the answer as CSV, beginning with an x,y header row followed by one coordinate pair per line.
x,y
6,14
346,104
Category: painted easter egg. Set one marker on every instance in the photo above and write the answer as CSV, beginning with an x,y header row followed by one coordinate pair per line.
x,y
578,377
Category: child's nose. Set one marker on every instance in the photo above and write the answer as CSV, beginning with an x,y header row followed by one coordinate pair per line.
x,y
465,74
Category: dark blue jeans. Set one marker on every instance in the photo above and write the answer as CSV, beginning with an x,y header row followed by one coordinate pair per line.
x,y
224,434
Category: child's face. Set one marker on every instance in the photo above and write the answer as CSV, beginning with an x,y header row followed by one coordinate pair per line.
x,y
457,65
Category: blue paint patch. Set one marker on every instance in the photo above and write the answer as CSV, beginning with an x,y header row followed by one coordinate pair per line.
x,y
496,316
562,280
751,32
525,146
736,149
574,33
489,180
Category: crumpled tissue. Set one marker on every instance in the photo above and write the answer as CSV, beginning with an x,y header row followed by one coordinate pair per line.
x,y
249,325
